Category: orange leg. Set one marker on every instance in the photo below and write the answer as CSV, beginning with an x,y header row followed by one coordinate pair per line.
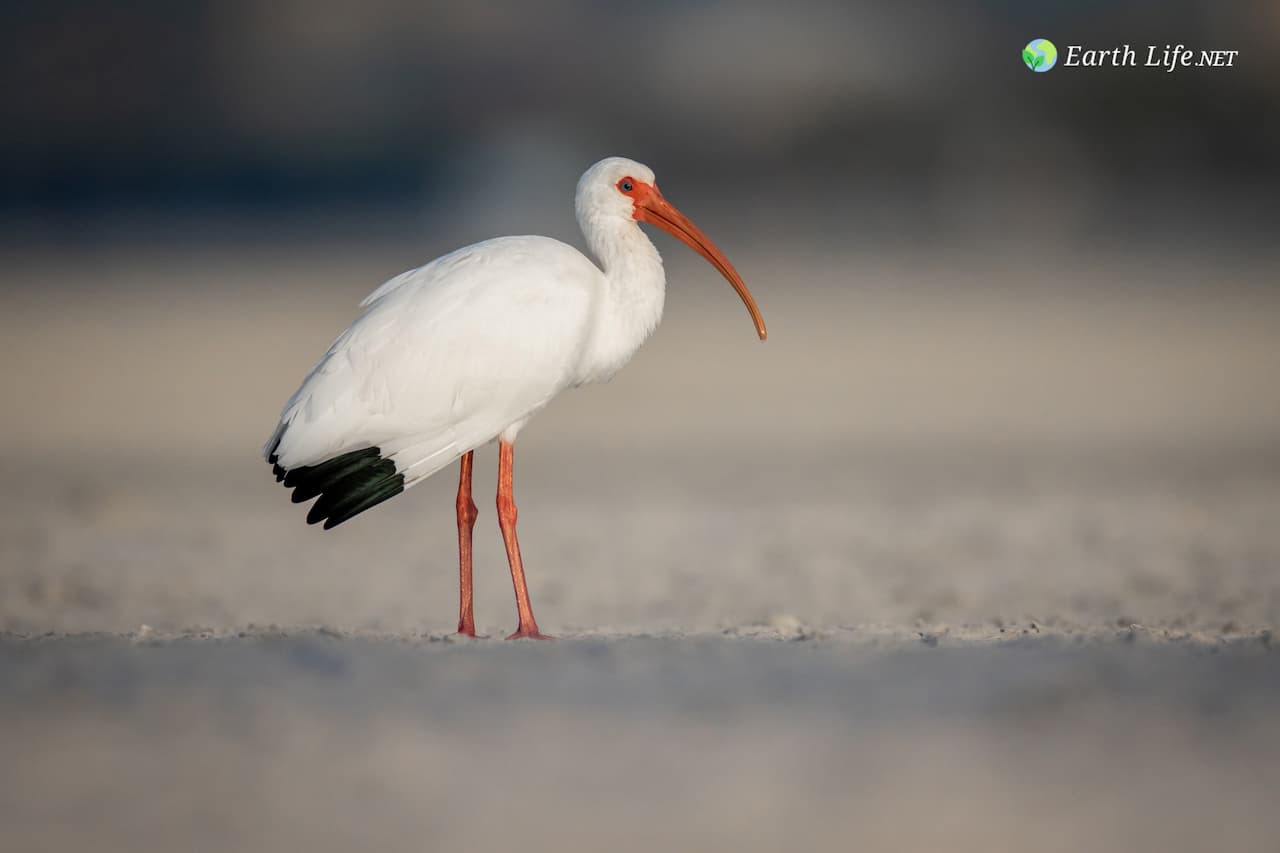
x,y
528,627
466,523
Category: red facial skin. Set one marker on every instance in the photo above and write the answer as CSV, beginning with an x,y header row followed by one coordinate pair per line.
x,y
649,206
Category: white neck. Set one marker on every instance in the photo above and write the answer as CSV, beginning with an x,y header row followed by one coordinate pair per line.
x,y
635,289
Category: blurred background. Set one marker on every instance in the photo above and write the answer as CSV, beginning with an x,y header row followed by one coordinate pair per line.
x,y
979,282
1007,469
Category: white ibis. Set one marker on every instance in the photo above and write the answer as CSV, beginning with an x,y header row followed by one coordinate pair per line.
x,y
447,357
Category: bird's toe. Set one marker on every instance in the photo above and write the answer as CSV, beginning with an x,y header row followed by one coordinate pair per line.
x,y
529,634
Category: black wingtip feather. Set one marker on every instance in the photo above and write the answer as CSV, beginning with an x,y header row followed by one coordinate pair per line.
x,y
273,459
388,489
346,485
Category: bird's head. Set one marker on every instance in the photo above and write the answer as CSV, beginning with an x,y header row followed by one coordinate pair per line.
x,y
621,191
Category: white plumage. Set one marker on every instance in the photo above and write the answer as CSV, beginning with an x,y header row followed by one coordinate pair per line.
x,y
447,357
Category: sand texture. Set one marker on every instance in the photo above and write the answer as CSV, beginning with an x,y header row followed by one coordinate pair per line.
x,y
951,562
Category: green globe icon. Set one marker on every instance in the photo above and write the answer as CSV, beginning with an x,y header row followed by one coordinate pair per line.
x,y
1040,55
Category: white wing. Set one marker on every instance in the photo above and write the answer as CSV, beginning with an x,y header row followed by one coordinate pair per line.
x,y
445,358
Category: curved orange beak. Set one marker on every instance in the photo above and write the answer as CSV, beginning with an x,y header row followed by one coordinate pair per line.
x,y
651,207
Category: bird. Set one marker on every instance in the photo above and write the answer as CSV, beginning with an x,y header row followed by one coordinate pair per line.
x,y
450,356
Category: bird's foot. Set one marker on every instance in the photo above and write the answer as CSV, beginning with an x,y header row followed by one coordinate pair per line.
x,y
465,630
529,633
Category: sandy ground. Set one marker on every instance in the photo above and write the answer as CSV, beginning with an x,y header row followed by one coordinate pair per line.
x,y
328,743
954,560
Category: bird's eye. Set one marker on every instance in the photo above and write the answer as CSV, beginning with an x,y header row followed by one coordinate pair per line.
x,y
625,185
